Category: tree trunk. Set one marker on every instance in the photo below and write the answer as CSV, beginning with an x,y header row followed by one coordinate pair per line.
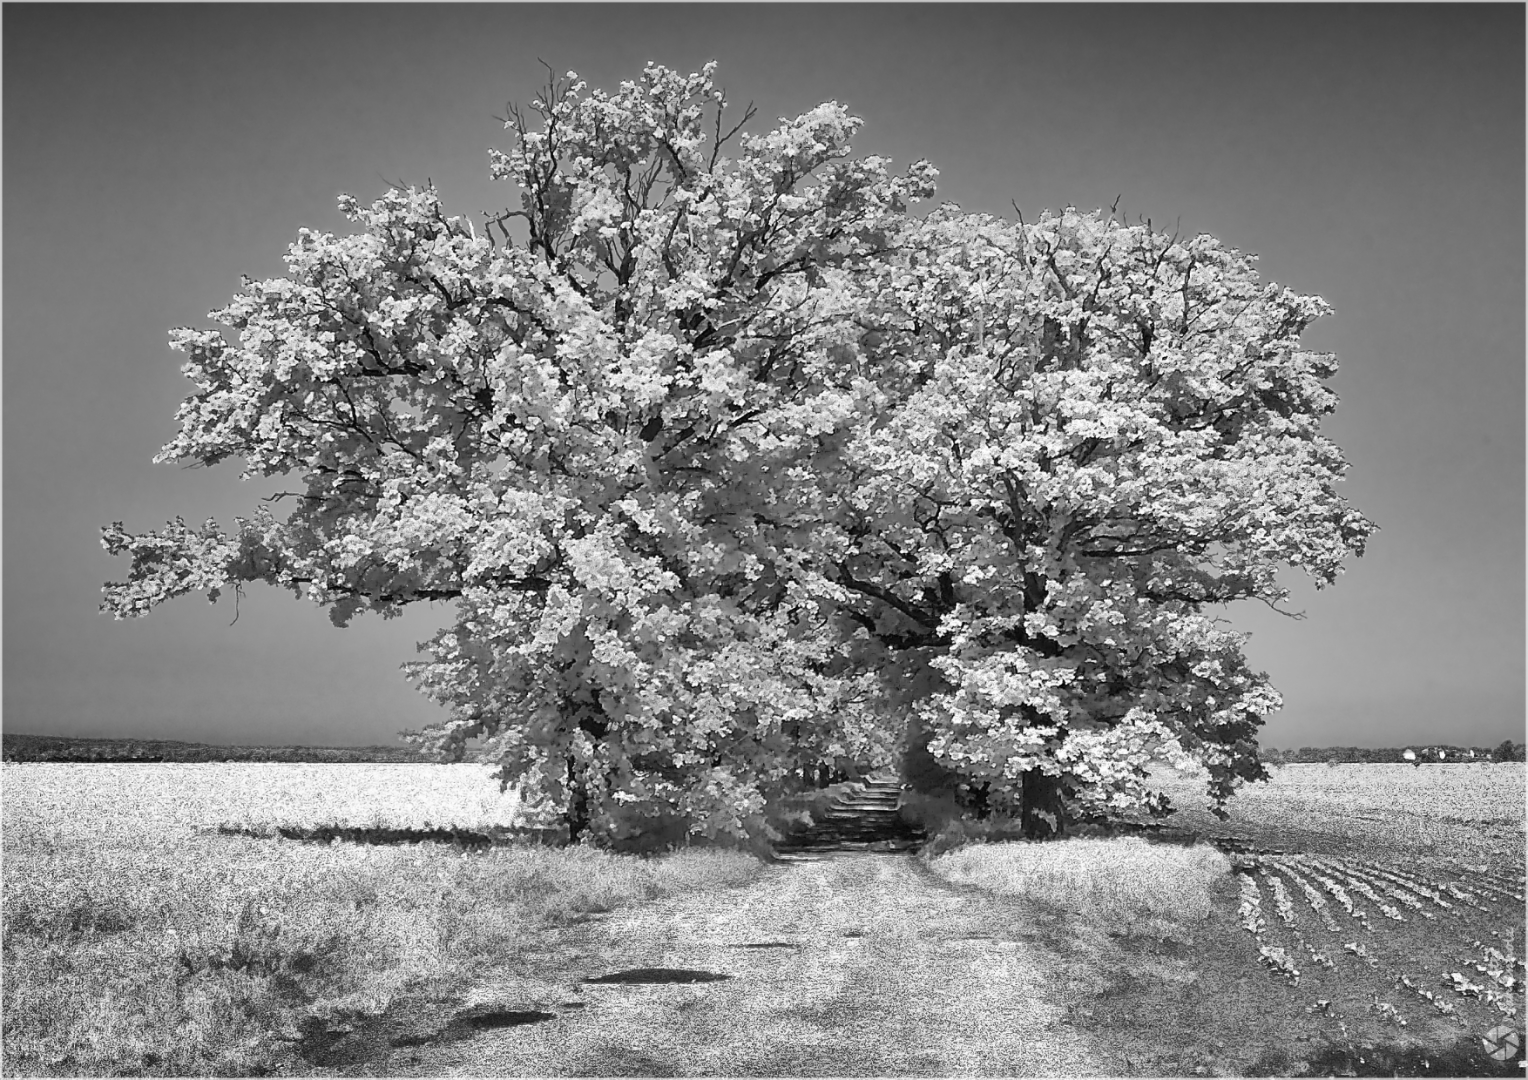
x,y
577,813
582,777
1042,815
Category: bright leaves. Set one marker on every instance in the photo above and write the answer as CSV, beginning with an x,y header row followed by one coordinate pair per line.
x,y
731,464
1108,431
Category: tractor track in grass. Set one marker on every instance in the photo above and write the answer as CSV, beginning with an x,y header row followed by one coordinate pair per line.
x,y
839,964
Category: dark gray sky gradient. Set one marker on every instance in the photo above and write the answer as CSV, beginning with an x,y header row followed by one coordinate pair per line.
x,y
1373,154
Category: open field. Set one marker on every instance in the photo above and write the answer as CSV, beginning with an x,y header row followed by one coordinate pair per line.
x,y
180,799
139,941
1436,810
1337,903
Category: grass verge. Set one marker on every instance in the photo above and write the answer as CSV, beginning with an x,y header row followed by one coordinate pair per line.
x,y
1122,883
220,955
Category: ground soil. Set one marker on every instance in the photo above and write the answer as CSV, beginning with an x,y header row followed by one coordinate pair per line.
x,y
842,965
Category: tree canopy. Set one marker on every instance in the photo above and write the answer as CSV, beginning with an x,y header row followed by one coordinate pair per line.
x,y
732,462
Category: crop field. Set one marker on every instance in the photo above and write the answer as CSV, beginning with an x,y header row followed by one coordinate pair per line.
x,y
1415,873
1309,914
1384,901
1415,897
1400,810
182,799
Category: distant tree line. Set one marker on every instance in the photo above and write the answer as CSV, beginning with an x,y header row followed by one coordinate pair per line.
x,y
1426,754
64,749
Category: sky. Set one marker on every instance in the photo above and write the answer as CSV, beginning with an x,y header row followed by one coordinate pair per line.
x,y
1373,154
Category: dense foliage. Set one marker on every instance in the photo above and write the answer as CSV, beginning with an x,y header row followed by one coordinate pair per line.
x,y
1422,753
732,464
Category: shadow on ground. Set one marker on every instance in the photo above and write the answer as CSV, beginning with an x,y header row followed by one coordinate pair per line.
x,y
1466,1057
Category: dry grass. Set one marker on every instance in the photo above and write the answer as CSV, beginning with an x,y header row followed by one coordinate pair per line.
x,y
136,944
1119,882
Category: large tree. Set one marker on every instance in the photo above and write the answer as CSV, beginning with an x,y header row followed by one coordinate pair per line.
x,y
1109,435
728,461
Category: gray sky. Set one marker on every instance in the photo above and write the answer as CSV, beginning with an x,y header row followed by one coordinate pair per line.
x,y
1373,154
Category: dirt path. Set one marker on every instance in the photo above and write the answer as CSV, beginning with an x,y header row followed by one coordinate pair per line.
x,y
861,965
